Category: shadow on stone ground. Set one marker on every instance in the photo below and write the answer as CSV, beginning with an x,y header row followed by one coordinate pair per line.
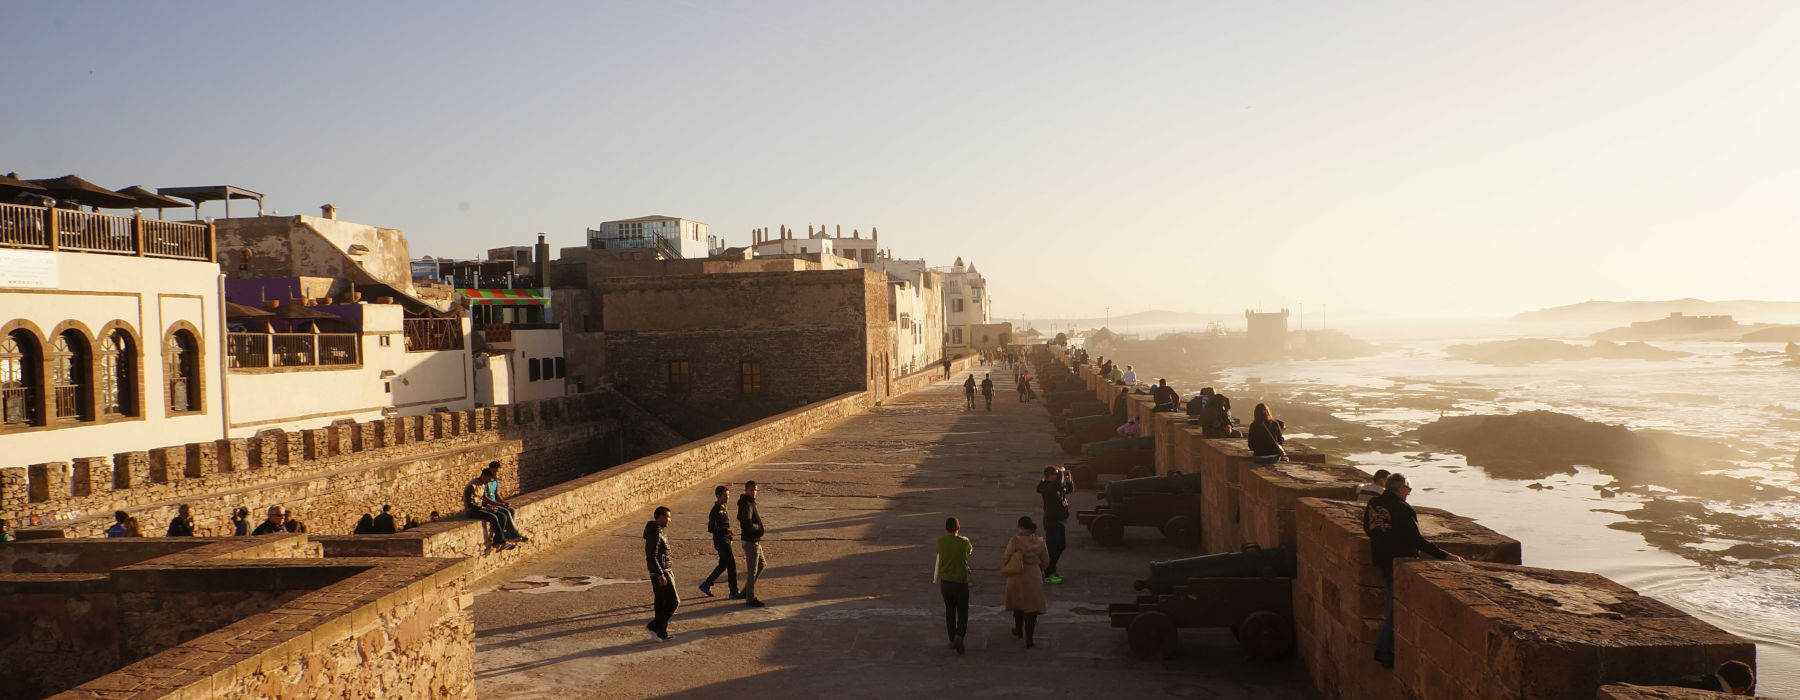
x,y
851,515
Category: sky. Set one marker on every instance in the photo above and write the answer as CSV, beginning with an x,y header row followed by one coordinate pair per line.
x,y
1411,159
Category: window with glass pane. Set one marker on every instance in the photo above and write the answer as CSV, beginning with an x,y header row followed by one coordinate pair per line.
x,y
117,375
70,364
19,381
681,376
182,371
750,379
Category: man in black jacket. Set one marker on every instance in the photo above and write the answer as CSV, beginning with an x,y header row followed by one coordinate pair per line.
x,y
662,577
750,523
719,524
1393,530
1055,490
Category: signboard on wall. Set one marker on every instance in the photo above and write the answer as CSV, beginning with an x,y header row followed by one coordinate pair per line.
x,y
27,269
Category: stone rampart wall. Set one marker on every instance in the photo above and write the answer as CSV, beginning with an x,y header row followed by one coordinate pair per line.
x,y
417,464
1486,628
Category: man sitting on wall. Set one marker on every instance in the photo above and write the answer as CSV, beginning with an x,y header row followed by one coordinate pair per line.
x,y
475,500
1167,401
492,496
384,523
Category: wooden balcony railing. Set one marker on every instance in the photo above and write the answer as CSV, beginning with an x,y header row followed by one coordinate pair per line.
x,y
44,228
423,334
266,350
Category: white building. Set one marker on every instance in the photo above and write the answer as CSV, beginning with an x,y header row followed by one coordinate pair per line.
x,y
916,292
968,311
683,238
110,335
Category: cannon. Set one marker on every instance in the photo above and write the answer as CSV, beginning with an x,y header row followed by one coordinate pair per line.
x,y
1252,562
1077,409
1132,457
1056,399
1176,482
1169,503
1259,612
1081,431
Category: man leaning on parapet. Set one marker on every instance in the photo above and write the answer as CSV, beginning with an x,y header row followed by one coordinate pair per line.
x,y
1393,530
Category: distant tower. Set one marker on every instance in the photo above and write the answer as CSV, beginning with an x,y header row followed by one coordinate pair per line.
x,y
1267,331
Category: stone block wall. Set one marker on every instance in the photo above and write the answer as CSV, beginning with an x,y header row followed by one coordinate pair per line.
x,y
1467,630
1269,492
1340,599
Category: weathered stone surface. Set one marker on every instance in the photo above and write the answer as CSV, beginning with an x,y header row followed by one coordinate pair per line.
x,y
1474,629
1268,493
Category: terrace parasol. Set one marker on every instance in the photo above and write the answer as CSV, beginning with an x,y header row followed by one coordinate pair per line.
x,y
75,190
10,183
151,200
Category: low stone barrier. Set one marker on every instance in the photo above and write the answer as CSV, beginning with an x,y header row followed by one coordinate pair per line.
x,y
561,512
232,617
1221,464
1488,630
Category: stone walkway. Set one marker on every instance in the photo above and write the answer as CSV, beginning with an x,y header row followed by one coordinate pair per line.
x,y
852,612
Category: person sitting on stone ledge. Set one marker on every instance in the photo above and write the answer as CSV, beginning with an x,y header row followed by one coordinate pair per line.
x,y
475,500
240,522
118,526
5,530
272,524
1732,678
1265,436
1375,486
1167,400
1393,530
182,525
492,494
384,523
1114,375
292,524
365,525
1119,411
1215,420
411,522
1129,428
1197,405
132,529
1129,378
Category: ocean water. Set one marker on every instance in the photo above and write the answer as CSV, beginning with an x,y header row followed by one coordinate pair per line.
x,y
1748,402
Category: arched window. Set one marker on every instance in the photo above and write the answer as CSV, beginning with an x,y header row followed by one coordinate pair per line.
x,y
181,360
117,375
71,369
19,380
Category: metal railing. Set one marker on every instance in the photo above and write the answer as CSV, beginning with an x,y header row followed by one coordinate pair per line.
x,y
424,334
88,232
265,350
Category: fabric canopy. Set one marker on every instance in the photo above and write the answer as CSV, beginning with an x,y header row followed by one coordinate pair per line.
x,y
151,200
11,183
70,188
504,296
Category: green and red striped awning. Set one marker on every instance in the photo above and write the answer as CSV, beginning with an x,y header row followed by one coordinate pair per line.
x,y
509,297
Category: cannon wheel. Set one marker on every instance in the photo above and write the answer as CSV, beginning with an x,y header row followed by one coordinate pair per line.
x,y
1151,636
1181,531
1139,472
1107,529
1265,635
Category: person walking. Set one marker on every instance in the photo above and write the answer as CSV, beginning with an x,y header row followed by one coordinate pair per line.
x,y
1022,563
1393,529
718,522
751,525
952,575
662,577
987,390
1055,490
969,392
946,361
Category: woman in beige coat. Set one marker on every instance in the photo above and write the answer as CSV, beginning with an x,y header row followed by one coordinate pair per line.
x,y
1025,589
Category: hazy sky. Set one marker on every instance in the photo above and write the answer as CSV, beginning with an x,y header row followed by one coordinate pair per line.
x,y
1426,158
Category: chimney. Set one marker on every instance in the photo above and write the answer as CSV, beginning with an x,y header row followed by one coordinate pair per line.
x,y
543,254
809,233
328,211
856,233
840,230
874,233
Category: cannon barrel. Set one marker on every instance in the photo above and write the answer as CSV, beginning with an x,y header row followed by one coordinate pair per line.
x,y
1115,492
1088,429
1250,563
1057,398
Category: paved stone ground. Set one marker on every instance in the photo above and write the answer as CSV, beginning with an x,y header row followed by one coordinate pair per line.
x,y
851,514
